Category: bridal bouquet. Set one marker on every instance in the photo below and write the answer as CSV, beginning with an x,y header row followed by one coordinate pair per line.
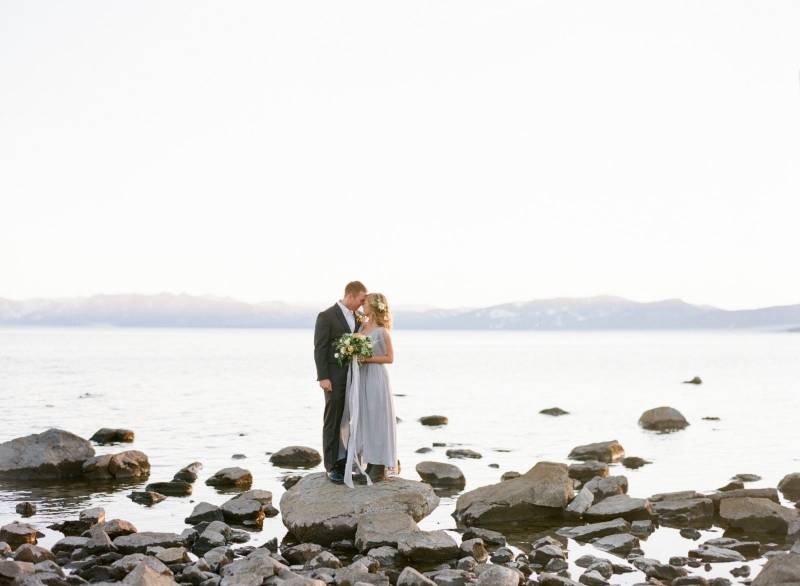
x,y
350,345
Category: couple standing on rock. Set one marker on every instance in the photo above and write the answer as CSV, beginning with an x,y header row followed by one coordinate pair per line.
x,y
359,424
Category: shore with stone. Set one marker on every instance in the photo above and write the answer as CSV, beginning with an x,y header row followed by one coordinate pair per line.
x,y
518,531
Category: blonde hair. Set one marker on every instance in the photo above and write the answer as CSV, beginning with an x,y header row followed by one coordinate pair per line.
x,y
383,318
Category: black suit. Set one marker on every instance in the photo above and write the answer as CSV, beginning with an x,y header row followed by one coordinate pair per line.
x,y
331,324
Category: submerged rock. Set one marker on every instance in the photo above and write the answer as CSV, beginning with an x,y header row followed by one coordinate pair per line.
x,y
319,511
694,381
146,497
462,453
172,488
609,451
663,419
50,455
189,473
26,509
107,435
541,493
296,457
433,420
554,411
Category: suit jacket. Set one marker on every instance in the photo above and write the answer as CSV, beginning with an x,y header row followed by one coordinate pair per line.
x,y
331,324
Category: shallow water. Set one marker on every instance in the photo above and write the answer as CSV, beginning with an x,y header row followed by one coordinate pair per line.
x,y
201,394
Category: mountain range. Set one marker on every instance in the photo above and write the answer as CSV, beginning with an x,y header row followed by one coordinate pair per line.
x,y
587,313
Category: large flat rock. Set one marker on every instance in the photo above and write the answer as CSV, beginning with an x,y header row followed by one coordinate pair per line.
x,y
50,455
541,493
756,515
318,511
783,570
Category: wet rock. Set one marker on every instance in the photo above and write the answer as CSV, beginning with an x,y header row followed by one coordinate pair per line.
x,y
427,546
756,515
320,511
747,477
204,511
243,511
50,455
499,576
296,457
26,509
107,435
509,475
790,486
711,553
554,411
423,450
694,381
290,480
189,473
663,419
441,474
139,542
433,420
619,544
411,577
634,462
679,513
619,506
146,497
541,493
609,451
16,534
234,476
171,488
592,530
585,471
781,570
463,453
383,529
691,533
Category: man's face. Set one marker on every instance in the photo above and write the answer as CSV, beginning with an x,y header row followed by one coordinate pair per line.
x,y
353,302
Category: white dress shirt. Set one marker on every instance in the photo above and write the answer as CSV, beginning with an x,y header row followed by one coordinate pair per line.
x,y
348,315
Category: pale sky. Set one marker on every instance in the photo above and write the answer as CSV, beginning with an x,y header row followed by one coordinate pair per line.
x,y
450,153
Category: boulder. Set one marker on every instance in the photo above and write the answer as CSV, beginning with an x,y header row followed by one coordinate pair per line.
x,y
433,420
127,465
756,515
780,570
790,486
663,419
609,451
619,506
499,576
242,511
107,435
411,577
203,512
441,474
32,553
26,509
381,529
296,457
171,488
585,471
634,462
761,493
541,493
683,512
16,534
139,542
234,476
189,473
319,511
427,546
54,454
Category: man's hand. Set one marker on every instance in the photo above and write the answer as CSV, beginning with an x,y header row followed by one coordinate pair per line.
x,y
325,385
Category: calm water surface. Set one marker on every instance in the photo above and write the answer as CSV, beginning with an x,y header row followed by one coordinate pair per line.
x,y
208,394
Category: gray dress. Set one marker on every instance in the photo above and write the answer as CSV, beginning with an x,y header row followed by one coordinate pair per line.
x,y
377,426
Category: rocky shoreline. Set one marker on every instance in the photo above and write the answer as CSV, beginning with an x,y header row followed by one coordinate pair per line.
x,y
370,535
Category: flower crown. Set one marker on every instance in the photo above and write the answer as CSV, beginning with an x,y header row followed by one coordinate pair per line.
x,y
378,305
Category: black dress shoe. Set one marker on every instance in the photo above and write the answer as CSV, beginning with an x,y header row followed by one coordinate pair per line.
x,y
336,477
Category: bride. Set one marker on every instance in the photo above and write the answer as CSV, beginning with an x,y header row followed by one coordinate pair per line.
x,y
373,438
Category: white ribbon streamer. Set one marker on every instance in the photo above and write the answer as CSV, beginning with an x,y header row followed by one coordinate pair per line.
x,y
354,440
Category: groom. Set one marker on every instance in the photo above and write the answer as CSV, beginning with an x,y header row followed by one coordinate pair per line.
x,y
335,321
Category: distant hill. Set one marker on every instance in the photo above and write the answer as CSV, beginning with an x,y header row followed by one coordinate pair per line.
x,y
590,313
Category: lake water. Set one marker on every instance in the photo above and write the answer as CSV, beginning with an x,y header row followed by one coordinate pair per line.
x,y
200,394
